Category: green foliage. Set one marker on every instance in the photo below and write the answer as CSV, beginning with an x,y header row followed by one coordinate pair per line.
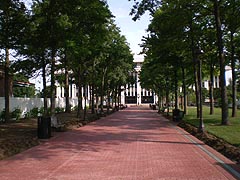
x,y
41,111
34,112
69,36
16,113
205,94
191,98
59,109
75,108
139,8
12,23
22,91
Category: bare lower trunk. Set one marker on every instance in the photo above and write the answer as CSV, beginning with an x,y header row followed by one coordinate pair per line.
x,y
201,125
45,105
80,106
194,68
53,82
7,86
102,87
66,87
224,100
167,100
184,91
176,90
211,89
108,101
234,85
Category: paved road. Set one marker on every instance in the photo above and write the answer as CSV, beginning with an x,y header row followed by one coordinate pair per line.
x,y
133,144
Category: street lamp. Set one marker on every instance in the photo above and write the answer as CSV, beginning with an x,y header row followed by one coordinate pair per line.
x,y
198,52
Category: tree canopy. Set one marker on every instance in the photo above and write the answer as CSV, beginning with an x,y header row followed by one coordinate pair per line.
x,y
63,40
178,30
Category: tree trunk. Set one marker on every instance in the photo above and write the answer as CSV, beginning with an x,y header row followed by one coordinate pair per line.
x,y
80,106
211,98
159,101
196,87
108,100
102,87
115,97
176,90
224,100
45,105
93,89
66,87
7,86
91,98
85,99
101,98
234,77
97,100
184,91
194,68
93,104
53,89
119,96
167,98
199,75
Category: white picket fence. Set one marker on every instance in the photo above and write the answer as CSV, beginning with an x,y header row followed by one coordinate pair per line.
x,y
26,104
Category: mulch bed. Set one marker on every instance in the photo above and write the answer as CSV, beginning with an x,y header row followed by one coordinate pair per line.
x,y
18,136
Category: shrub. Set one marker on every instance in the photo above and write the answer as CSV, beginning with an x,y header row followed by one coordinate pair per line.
x,y
27,115
34,112
16,113
41,111
75,108
59,109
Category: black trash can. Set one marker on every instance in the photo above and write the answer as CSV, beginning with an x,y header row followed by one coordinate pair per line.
x,y
154,107
176,113
44,127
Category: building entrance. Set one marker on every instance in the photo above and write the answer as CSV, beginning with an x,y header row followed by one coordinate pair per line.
x,y
131,100
147,99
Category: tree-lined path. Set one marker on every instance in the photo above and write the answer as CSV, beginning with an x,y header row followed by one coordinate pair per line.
x,y
135,144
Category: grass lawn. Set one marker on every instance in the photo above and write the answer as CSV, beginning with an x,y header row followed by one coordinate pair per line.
x,y
230,133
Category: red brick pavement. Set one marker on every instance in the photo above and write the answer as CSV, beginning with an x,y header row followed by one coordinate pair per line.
x,y
133,144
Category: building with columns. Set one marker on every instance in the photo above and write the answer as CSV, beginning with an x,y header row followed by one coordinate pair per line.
x,y
133,93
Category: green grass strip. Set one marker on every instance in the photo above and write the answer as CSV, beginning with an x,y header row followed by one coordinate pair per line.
x,y
230,133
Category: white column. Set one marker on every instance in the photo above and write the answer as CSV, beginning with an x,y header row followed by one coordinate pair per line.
x,y
123,96
130,89
143,92
138,90
74,91
134,93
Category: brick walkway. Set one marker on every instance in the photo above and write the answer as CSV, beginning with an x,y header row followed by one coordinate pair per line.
x,y
133,144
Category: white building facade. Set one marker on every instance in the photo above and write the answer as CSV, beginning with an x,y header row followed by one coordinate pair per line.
x,y
131,94
134,93
216,79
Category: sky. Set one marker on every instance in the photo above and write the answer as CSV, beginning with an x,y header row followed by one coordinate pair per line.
x,y
132,30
